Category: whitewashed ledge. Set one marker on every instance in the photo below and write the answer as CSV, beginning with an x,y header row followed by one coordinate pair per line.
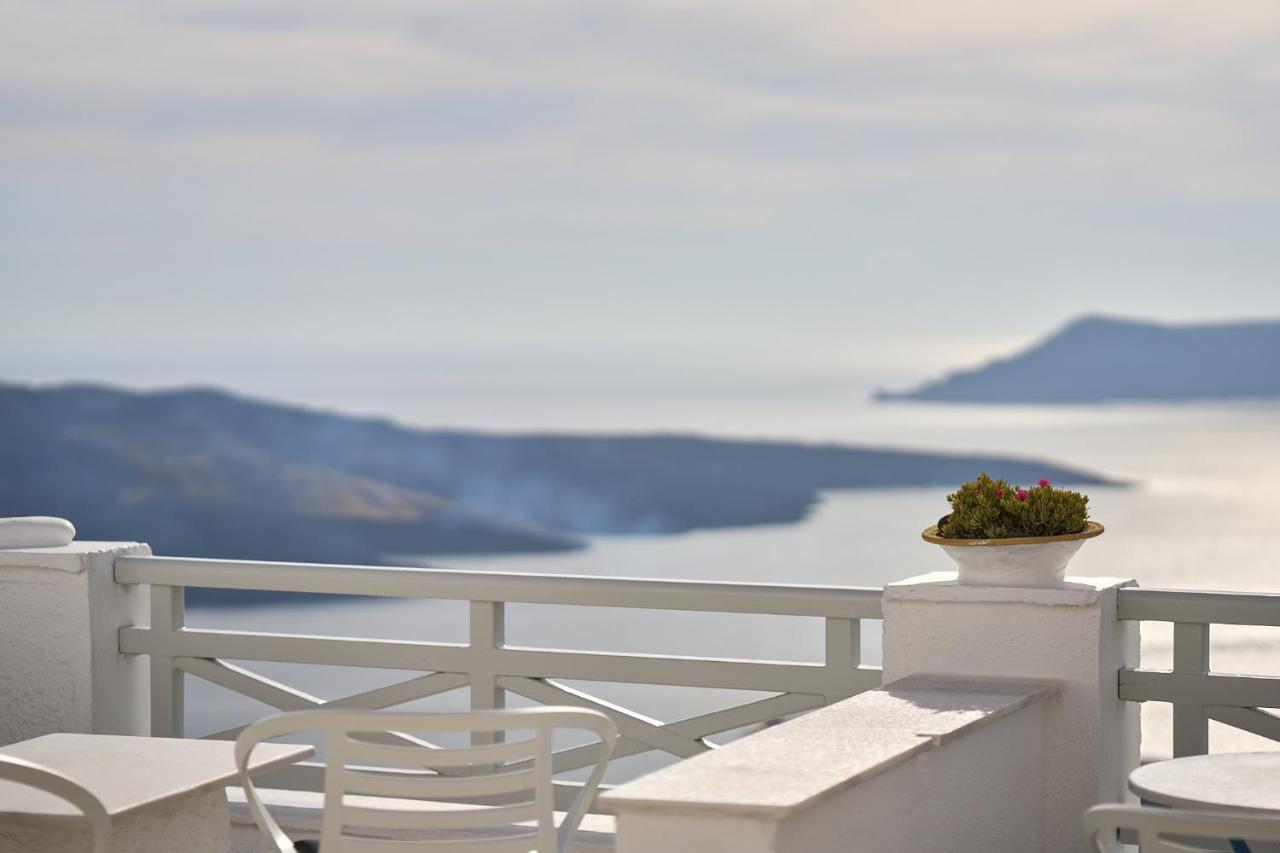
x,y
923,763
74,557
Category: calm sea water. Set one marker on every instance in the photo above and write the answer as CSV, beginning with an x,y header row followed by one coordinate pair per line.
x,y
1203,512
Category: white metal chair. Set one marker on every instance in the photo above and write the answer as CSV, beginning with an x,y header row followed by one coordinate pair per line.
x,y
1162,830
507,782
35,776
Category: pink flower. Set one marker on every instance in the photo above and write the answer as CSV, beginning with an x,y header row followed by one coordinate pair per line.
x,y
1022,494
1044,484
999,493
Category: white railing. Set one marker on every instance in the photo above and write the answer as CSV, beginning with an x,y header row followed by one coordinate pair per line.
x,y
1197,693
487,664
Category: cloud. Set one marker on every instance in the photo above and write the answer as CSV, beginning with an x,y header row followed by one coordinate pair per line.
x,y
841,85
721,164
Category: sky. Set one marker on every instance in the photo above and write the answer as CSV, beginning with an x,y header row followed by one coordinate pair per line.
x,y
621,194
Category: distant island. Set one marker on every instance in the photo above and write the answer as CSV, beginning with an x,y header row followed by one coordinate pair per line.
x,y
1101,359
206,474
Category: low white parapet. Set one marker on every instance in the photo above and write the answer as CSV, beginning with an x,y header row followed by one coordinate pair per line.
x,y
924,763
1073,634
61,670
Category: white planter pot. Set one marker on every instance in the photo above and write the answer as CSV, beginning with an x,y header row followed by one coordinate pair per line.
x,y
1039,561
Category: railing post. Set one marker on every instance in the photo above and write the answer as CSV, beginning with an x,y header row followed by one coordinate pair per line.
x,y
488,633
843,655
1190,655
168,616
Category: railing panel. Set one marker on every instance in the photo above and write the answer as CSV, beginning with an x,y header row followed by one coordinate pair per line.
x,y
843,643
168,615
1184,605
631,725
725,673
246,683
1190,657
1196,692
1254,720
1234,691
486,664
750,714
511,587
488,632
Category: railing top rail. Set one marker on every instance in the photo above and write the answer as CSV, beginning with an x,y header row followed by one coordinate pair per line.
x,y
526,588
1200,607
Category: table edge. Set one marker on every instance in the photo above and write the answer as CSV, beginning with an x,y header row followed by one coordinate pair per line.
x,y
1159,798
297,752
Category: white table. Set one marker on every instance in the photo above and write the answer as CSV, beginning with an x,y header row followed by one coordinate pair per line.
x,y
1226,782
166,795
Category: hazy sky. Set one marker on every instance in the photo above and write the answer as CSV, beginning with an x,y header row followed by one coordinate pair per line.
x,y
621,191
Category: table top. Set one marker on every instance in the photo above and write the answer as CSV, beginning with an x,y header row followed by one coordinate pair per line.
x,y
1229,781
129,773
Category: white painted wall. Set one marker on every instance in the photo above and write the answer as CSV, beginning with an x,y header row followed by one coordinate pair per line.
x,y
1017,783
978,794
981,793
60,670
199,818
933,625
923,764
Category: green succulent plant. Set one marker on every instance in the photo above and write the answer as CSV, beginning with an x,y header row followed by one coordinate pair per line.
x,y
993,509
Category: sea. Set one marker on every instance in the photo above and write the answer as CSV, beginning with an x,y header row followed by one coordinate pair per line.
x,y
1199,508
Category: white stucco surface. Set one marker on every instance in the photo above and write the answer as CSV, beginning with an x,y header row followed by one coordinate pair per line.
x,y
162,794
195,823
979,793
787,768
643,832
933,625
129,774
61,671
927,763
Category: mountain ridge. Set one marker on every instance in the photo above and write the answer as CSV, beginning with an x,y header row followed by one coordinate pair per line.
x,y
1099,359
203,473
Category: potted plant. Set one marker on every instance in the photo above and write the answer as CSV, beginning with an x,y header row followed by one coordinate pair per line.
x,y
1004,535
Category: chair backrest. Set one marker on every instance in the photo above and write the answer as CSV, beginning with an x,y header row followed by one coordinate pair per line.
x,y
477,792
50,781
1173,830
